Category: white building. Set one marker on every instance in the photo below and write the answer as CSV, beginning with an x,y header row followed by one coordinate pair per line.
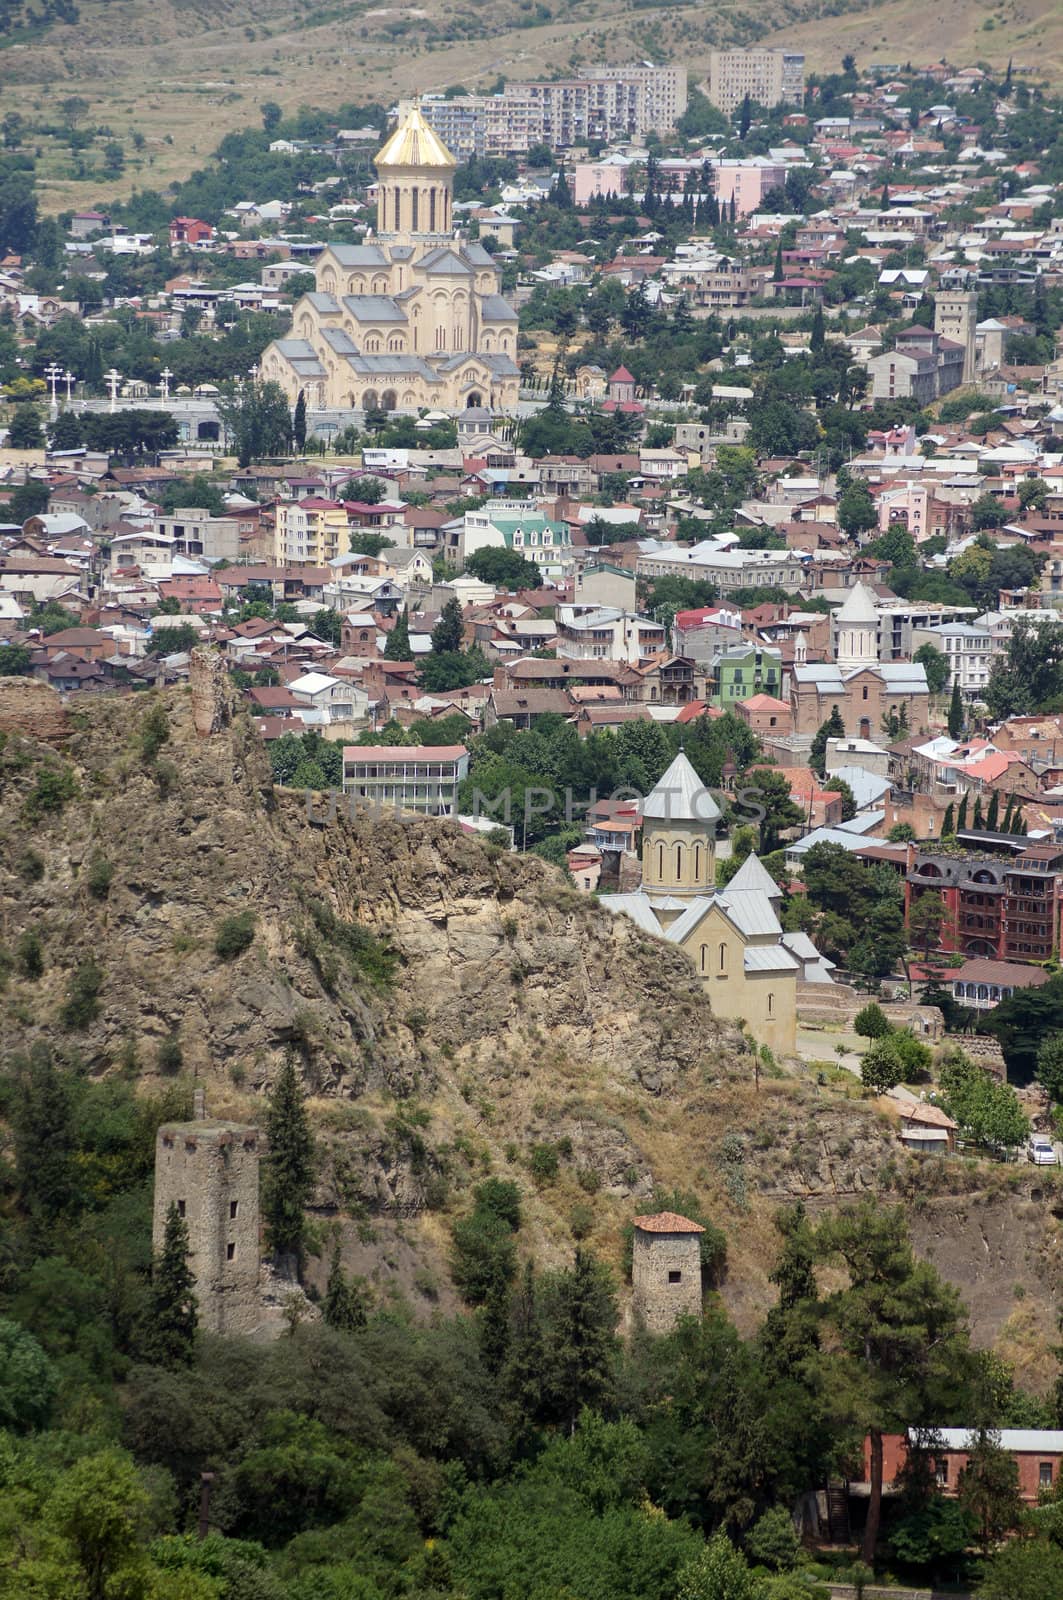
x,y
603,633
969,650
421,778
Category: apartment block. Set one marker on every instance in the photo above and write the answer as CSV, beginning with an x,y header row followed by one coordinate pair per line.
x,y
769,77
421,778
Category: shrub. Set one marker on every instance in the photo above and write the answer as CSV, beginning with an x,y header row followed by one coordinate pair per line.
x,y
169,1057
235,935
581,1221
54,787
916,1055
30,866
154,732
98,878
485,1255
545,1163
872,1022
82,1003
29,954
500,1198
773,1542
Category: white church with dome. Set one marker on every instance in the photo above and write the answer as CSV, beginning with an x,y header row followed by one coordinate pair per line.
x,y
413,317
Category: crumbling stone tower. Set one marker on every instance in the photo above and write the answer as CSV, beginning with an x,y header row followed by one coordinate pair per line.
x,y
212,701
210,1171
666,1269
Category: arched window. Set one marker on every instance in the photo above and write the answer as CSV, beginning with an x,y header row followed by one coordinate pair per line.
x,y
660,861
723,956
704,957
697,862
679,861
415,225
771,1004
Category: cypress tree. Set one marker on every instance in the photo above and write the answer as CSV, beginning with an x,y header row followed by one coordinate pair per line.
x,y
979,820
584,1338
777,273
992,816
44,1141
398,646
948,826
1005,826
833,728
299,421
290,1166
494,1325
955,713
961,820
818,337
342,1307
169,1333
745,117
1018,826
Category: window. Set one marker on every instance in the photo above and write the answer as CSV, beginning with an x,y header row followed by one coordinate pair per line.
x,y
677,1277
679,861
180,1208
230,1252
723,956
1044,1474
771,1005
234,1206
941,1473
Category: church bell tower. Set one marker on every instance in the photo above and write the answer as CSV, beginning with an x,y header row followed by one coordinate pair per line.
x,y
415,173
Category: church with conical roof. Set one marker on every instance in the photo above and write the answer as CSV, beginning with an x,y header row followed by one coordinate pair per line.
x,y
414,316
749,967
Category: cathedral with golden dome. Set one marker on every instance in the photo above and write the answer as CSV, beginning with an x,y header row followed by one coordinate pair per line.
x,y
413,316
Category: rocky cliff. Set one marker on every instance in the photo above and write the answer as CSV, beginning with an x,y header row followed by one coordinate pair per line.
x,y
455,1009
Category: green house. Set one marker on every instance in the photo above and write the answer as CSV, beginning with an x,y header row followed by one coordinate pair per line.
x,y
744,670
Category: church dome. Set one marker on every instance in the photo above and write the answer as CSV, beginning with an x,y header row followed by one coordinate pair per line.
x,y
414,144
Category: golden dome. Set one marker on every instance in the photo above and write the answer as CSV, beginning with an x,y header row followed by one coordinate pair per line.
x,y
414,144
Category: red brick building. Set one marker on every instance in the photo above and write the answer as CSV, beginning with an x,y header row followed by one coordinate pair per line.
x,y
1038,1452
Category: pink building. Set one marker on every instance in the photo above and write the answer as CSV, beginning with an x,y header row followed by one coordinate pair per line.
x,y
592,178
747,182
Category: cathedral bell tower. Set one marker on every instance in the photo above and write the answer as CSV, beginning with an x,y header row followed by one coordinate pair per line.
x,y
415,173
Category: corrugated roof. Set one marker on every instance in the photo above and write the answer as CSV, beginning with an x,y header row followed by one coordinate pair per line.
x,y
680,796
1033,1441
768,958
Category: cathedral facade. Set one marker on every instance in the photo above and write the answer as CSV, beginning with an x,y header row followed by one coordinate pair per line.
x,y
412,317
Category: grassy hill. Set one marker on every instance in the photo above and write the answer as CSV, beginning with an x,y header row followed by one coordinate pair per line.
x,y
180,75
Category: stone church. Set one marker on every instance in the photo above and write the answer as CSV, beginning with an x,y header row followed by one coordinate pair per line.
x,y
749,967
412,317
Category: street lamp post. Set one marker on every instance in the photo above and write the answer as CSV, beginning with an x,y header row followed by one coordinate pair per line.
x,y
69,378
164,382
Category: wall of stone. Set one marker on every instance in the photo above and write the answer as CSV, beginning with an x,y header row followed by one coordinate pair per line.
x,y
656,1257
211,1171
33,710
212,700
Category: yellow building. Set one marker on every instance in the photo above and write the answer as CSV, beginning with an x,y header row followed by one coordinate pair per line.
x,y
311,531
412,317
750,968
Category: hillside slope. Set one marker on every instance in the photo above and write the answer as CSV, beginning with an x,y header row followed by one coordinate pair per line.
x,y
181,75
515,1015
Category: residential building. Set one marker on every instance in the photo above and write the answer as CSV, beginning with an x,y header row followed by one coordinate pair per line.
x,y
747,182
312,530
702,634
603,633
419,778
969,651
727,568
768,77
744,670
922,366
514,525
414,317
981,984
1000,905
203,536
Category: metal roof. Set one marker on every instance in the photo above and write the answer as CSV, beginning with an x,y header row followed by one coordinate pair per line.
x,y
680,796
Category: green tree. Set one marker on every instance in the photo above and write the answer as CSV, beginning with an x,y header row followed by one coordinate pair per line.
x,y
989,1488
720,1572
299,421
936,665
257,420
772,1541
398,647
833,728
448,632
772,793
871,1022
902,1343
580,1344
505,569
1050,1066
956,717
883,1066
1026,1569
948,825
169,1335
24,431
1030,674
988,1111
856,509
988,512
343,1307
290,1166
27,1380
101,1508
44,1140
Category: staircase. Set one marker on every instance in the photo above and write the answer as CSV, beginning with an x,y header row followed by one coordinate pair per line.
x,y
838,1513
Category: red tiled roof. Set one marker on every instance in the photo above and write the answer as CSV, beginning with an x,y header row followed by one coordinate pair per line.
x,y
667,1222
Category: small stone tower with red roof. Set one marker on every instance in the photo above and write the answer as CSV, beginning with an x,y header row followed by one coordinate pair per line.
x,y
666,1270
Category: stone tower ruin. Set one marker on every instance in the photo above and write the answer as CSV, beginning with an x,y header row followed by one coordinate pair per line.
x,y
210,1171
666,1269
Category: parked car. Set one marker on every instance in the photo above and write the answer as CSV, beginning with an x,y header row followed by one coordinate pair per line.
x,y
1041,1150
